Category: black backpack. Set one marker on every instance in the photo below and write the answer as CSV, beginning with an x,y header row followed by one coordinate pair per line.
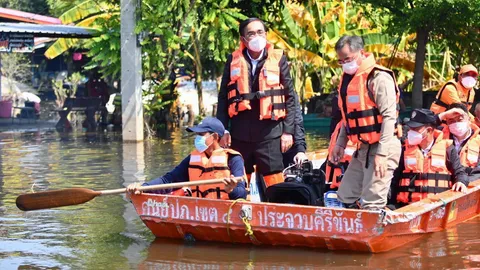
x,y
305,189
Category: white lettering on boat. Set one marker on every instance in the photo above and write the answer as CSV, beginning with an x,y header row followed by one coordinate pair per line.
x,y
324,220
415,223
469,203
176,210
437,214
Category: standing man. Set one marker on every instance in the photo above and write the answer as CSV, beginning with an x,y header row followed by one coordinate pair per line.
x,y
256,102
368,100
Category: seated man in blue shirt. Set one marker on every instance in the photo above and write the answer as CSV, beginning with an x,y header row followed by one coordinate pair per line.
x,y
207,161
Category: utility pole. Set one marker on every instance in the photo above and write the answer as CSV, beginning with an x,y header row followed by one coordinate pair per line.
x,y
131,80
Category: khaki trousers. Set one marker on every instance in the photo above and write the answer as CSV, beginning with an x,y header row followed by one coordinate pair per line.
x,y
361,183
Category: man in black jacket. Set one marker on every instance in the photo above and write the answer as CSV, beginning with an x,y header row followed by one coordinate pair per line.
x,y
256,102
296,154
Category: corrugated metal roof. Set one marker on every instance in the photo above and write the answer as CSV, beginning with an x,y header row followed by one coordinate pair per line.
x,y
53,31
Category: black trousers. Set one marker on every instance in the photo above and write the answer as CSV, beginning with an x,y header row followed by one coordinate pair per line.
x,y
267,155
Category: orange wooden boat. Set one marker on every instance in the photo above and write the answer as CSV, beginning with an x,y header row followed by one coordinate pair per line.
x,y
297,225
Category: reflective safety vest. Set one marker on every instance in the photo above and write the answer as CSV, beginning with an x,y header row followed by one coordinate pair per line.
x,y
470,151
424,176
271,92
203,168
334,172
363,120
441,102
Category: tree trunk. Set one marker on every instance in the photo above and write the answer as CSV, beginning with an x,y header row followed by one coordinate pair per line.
x,y
417,93
198,75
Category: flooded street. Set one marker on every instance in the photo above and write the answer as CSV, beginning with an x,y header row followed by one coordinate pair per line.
x,y
106,233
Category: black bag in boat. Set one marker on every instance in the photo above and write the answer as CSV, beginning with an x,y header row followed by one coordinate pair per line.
x,y
305,188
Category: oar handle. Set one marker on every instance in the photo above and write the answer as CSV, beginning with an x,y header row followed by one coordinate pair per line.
x,y
168,186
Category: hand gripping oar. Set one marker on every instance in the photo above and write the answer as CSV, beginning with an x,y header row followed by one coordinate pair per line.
x,y
73,196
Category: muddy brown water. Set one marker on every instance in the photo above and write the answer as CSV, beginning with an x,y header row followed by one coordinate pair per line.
x,y
106,233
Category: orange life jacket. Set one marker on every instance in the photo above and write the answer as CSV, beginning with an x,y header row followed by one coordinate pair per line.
x,y
476,121
424,176
441,103
203,168
363,120
271,92
334,172
470,151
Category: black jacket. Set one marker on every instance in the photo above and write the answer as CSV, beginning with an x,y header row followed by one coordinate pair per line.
x,y
299,144
246,126
453,165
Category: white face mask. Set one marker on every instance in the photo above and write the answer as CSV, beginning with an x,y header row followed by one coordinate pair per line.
x,y
458,129
414,138
257,44
469,82
350,67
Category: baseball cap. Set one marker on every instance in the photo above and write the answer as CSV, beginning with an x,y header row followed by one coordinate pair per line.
x,y
468,68
421,117
208,124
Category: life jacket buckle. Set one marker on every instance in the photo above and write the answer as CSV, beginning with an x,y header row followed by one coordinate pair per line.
x,y
260,94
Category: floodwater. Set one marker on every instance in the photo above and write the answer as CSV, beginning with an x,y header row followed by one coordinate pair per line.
x,y
106,233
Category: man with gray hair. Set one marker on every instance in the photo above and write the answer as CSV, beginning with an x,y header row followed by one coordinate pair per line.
x,y
368,100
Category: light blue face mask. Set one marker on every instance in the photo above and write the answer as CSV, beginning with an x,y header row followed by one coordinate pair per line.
x,y
200,143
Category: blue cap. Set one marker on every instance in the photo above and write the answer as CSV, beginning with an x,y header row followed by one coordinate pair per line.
x,y
208,124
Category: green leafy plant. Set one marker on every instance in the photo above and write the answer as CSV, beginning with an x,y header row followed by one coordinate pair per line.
x,y
60,92
74,81
451,21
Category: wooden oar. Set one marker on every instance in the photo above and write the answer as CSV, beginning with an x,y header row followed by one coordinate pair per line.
x,y
73,196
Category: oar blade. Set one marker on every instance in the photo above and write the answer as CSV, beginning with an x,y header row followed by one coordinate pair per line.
x,y
55,198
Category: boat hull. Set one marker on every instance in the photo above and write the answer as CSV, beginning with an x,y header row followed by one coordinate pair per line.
x,y
198,219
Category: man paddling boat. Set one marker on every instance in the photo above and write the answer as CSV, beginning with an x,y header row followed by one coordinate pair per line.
x,y
208,160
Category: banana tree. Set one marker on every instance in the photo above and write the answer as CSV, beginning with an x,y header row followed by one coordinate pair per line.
x,y
85,14
308,33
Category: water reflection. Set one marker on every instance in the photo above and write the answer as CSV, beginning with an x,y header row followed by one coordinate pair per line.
x,y
106,233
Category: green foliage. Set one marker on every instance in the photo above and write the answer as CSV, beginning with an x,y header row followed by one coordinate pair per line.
x,y
258,8
16,67
60,92
33,6
104,51
449,21
74,81
84,14
58,7
442,21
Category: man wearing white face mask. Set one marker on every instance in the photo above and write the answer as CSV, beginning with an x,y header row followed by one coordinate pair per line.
x,y
429,163
466,139
368,100
257,102
207,161
458,90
